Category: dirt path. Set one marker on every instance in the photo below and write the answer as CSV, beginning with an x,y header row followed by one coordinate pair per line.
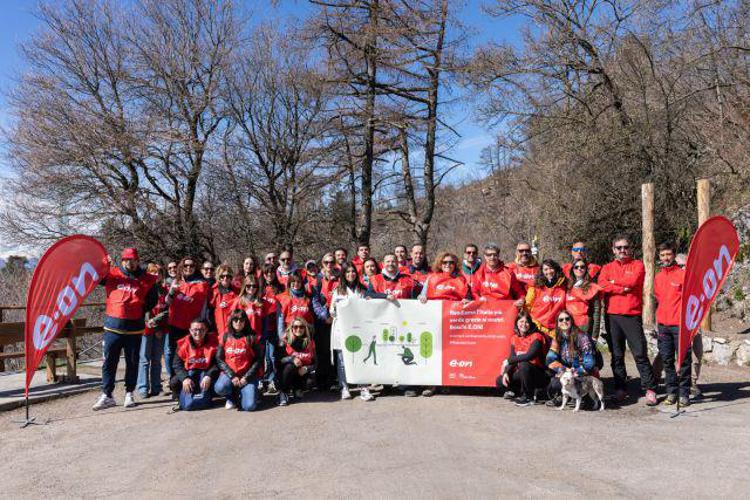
x,y
447,446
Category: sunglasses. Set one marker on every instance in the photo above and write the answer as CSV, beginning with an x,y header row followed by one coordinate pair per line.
x,y
285,260
224,276
171,267
251,286
578,249
188,265
582,268
298,327
563,320
470,252
327,262
448,263
622,247
208,268
239,320
523,250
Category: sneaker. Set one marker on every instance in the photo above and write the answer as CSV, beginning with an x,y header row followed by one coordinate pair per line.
x,y
671,399
684,401
509,395
229,405
345,394
695,392
129,400
299,394
429,392
272,390
554,402
103,402
143,395
365,395
651,398
410,393
283,399
523,401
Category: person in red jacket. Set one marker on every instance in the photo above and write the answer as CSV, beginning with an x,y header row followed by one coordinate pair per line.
x,y
580,251
523,372
494,281
240,360
131,292
419,268
546,297
583,300
223,295
370,268
668,293
329,277
363,253
525,266
342,258
402,256
187,300
287,267
445,282
391,284
195,369
298,361
622,285
471,264
250,265
152,342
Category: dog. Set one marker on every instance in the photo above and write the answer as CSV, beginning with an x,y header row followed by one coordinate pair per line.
x,y
577,387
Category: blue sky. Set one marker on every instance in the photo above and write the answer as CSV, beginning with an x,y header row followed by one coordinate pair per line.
x,y
17,23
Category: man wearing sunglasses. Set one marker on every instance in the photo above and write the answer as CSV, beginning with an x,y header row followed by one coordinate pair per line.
x,y
287,267
622,284
525,266
580,251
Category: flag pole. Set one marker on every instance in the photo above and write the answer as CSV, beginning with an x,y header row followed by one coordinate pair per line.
x,y
28,420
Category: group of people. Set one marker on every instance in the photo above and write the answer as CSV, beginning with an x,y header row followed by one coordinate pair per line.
x,y
270,328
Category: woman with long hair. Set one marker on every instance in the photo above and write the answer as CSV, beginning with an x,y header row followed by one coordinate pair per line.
x,y
546,297
298,359
523,372
223,295
349,287
370,267
583,299
445,282
240,360
250,265
571,348
272,286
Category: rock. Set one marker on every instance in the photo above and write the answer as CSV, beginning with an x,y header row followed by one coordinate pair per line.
x,y
723,302
723,352
720,340
743,354
739,309
708,343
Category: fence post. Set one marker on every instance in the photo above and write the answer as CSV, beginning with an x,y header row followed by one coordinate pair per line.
x,y
704,212
649,251
70,354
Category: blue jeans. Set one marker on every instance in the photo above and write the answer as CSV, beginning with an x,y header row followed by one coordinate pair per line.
x,y
194,400
270,374
167,356
114,344
340,372
247,396
149,368
667,342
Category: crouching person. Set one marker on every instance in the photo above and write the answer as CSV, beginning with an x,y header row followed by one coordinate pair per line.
x,y
571,348
299,357
195,368
239,359
523,372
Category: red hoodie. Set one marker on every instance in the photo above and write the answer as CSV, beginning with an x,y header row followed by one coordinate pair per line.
x,y
500,284
668,292
446,287
525,274
614,278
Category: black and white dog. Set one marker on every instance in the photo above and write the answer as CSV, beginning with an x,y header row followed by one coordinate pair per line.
x,y
577,387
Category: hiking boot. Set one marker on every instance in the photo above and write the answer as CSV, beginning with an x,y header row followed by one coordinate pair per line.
x,y
523,401
103,402
365,395
651,398
283,399
129,400
695,392
684,401
429,392
554,402
671,399
509,395
345,394
410,393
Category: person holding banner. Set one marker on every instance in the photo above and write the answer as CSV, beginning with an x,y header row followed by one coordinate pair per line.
x,y
390,284
296,365
523,372
418,268
668,293
546,297
349,287
622,285
445,282
130,292
239,358
494,280
370,268
195,369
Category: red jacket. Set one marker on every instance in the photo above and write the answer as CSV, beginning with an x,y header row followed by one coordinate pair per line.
x,y
402,287
545,303
256,313
221,303
614,278
522,344
161,306
327,286
668,293
307,356
593,270
238,354
197,357
359,264
126,296
500,284
188,303
292,307
525,274
444,286
579,303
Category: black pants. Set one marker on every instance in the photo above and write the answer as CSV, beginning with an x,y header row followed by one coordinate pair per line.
x,y
668,341
324,372
290,377
526,378
621,328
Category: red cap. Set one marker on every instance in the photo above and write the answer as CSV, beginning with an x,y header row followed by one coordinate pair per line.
x,y
130,253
